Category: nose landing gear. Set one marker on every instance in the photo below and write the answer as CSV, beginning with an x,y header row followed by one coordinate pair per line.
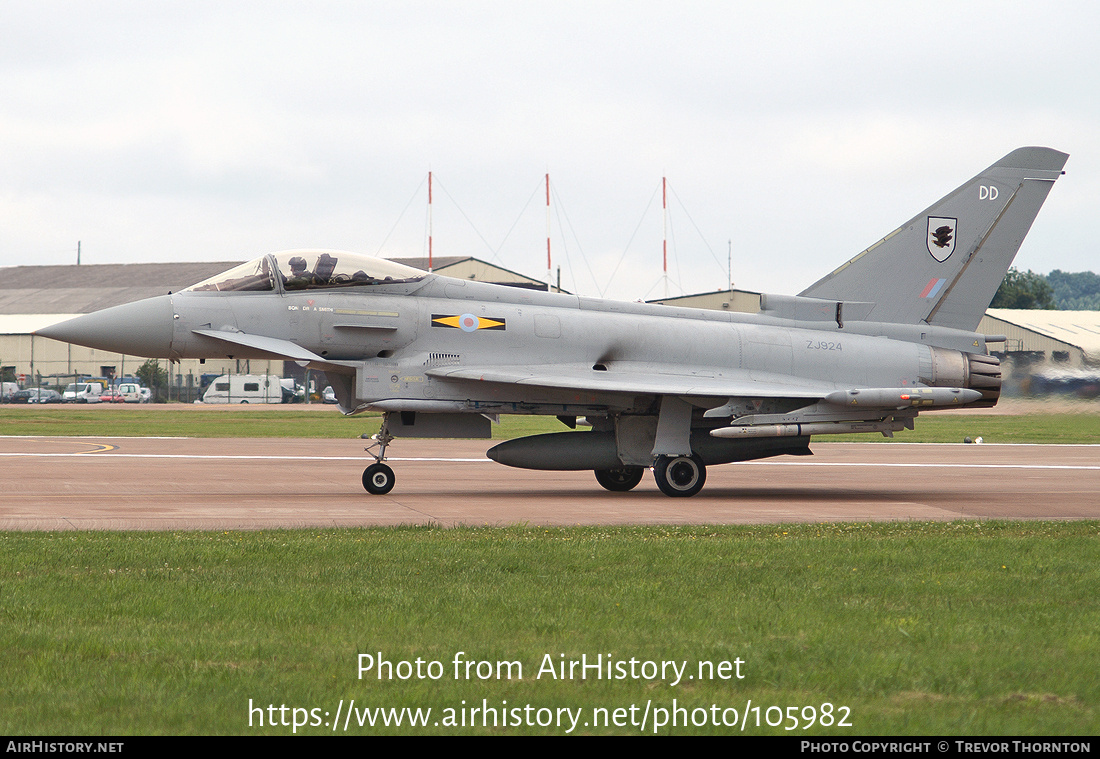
x,y
378,478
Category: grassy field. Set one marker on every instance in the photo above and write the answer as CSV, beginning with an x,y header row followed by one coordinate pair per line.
x,y
914,628
968,628
1062,426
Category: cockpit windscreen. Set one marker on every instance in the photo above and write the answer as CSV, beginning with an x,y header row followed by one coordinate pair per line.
x,y
309,270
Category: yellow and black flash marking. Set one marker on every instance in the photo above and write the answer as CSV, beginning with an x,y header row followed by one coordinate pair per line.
x,y
467,322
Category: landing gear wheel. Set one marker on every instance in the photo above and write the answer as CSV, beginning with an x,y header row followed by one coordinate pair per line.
x,y
378,479
680,476
619,480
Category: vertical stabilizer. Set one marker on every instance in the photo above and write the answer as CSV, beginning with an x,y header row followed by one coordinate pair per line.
x,y
944,266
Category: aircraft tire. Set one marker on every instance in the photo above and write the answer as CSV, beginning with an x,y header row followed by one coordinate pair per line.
x,y
378,479
619,480
680,476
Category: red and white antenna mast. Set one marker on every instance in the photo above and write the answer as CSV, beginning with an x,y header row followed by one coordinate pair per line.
x,y
429,222
549,272
664,249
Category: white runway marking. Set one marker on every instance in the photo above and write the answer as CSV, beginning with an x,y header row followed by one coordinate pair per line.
x,y
107,455
87,454
946,465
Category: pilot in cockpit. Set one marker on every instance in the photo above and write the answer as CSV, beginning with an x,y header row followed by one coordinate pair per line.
x,y
300,277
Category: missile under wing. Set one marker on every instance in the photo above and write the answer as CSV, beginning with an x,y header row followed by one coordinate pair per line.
x,y
887,335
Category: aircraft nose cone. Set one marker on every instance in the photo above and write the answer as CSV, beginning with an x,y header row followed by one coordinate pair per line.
x,y
143,328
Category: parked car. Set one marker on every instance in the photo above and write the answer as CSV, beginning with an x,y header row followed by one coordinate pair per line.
x,y
124,392
36,395
292,392
130,392
82,392
1084,383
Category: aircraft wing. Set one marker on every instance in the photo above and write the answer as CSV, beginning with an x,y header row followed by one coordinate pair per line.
x,y
710,386
643,379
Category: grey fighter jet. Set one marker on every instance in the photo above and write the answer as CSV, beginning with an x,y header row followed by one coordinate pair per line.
x,y
887,335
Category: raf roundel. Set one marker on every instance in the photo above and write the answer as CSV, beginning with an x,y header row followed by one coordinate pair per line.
x,y
468,322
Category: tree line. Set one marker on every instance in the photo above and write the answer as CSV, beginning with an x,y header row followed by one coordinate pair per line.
x,y
1062,290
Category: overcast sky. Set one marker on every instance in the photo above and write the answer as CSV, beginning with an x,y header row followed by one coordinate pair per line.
x,y
793,134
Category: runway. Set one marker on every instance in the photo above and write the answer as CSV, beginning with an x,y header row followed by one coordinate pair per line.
x,y
64,483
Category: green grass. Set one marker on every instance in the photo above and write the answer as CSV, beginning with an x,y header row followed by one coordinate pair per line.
x,y
920,628
183,421
326,422
219,422
992,428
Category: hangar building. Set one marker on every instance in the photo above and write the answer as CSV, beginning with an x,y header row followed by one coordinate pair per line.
x,y
1069,338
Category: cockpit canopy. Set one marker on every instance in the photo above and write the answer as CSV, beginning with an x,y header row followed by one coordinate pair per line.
x,y
309,270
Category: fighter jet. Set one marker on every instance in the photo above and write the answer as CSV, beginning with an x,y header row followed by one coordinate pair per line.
x,y
887,335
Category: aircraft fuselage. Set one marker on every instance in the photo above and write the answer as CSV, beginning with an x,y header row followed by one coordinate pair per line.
x,y
411,345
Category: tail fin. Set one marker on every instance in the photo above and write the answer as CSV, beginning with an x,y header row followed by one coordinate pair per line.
x,y
944,266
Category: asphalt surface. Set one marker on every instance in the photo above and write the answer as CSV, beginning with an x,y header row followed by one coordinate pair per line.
x,y
59,483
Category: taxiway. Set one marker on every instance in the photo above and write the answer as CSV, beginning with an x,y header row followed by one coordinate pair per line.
x,y
64,483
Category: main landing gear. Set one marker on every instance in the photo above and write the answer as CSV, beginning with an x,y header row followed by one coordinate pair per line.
x,y
676,476
619,480
680,476
378,478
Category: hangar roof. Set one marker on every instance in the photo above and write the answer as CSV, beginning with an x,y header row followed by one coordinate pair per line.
x,y
86,288
1080,329
90,287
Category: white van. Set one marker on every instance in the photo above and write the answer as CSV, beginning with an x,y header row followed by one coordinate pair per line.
x,y
130,392
244,388
82,392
